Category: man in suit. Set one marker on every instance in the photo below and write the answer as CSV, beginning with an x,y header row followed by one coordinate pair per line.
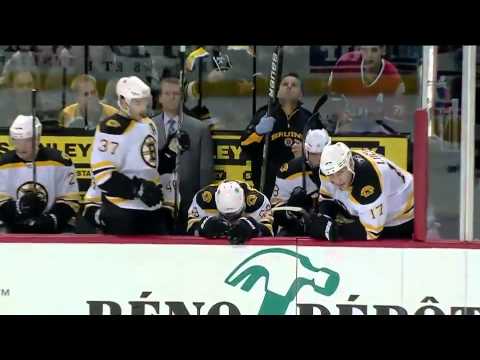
x,y
196,164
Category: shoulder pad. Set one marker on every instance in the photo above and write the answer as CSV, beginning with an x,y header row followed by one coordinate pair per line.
x,y
9,157
206,197
115,124
366,187
254,200
47,153
294,166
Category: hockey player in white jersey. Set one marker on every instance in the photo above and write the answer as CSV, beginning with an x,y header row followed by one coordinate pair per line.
x,y
230,209
46,203
297,185
364,196
125,165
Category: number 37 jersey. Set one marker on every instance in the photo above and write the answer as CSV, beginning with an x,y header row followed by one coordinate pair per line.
x,y
128,147
381,194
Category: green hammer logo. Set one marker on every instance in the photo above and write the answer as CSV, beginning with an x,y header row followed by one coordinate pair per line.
x,y
253,268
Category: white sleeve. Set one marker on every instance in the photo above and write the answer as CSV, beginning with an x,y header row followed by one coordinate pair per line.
x,y
263,215
67,187
195,213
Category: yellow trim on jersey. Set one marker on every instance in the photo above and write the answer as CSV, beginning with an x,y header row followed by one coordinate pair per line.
x,y
325,193
373,227
130,126
102,164
92,199
75,196
102,175
375,166
269,227
297,175
253,138
408,205
4,197
115,200
37,163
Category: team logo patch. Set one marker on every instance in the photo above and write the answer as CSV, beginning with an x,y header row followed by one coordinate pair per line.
x,y
284,167
149,151
367,191
251,199
113,123
288,142
30,186
207,196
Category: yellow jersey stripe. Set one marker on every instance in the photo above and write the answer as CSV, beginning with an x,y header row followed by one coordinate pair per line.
x,y
102,164
253,138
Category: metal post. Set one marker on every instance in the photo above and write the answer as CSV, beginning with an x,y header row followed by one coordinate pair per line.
x,y
467,143
429,79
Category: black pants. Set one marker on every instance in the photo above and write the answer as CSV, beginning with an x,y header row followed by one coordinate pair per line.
x,y
403,231
120,221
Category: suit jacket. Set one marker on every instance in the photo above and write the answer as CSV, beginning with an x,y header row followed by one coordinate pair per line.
x,y
196,164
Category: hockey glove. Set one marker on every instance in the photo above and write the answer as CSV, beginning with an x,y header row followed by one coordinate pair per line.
x,y
179,142
30,205
147,191
243,230
43,224
300,198
213,227
265,125
322,227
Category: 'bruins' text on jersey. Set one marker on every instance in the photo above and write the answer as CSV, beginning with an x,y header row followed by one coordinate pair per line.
x,y
256,205
381,194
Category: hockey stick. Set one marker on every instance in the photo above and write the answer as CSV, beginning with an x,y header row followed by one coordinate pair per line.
x,y
254,81
275,75
175,180
34,139
320,102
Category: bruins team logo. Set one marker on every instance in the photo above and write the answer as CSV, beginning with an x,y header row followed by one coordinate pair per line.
x,y
251,199
113,123
207,196
149,151
284,167
30,186
288,142
367,191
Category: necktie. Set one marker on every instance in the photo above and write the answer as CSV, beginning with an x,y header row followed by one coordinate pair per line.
x,y
171,127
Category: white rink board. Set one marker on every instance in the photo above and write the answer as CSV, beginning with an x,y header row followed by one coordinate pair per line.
x,y
222,279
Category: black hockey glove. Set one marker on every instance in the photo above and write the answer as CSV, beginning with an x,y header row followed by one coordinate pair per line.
x,y
30,205
147,191
243,230
322,227
179,142
43,224
213,227
300,198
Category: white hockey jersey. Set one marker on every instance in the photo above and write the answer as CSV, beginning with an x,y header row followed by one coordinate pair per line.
x,y
381,194
56,178
130,148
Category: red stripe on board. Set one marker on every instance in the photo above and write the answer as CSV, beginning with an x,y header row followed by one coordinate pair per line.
x,y
420,174
191,240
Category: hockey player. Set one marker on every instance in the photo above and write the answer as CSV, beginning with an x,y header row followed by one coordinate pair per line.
x,y
92,204
363,196
125,164
47,203
231,209
289,189
285,127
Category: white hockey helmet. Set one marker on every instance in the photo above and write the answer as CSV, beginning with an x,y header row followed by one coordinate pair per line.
x,y
316,140
131,88
230,199
22,127
334,158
